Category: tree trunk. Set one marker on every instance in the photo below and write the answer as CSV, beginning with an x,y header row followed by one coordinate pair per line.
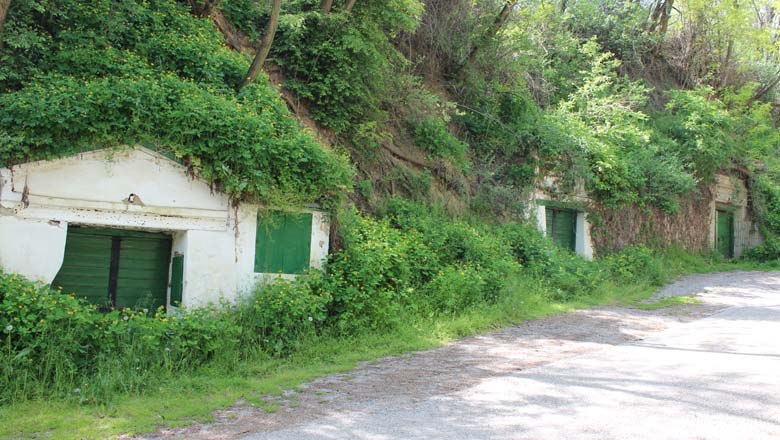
x,y
724,67
350,5
265,44
326,6
489,34
659,18
4,5
564,5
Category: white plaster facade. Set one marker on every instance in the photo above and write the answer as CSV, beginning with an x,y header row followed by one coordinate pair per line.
x,y
39,200
730,192
546,192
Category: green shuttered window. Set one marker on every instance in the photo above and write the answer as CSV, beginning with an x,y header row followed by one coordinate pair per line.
x,y
562,226
283,242
116,268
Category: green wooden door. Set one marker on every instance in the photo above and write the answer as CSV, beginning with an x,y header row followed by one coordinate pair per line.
x,y
283,242
116,268
561,226
724,240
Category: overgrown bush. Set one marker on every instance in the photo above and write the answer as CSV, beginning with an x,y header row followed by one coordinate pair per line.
x,y
634,263
455,289
767,251
282,314
372,279
56,344
433,136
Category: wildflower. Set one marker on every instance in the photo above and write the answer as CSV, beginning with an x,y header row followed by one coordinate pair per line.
x,y
77,390
311,319
9,327
125,318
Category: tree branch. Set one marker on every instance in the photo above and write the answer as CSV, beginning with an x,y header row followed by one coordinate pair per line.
x,y
265,44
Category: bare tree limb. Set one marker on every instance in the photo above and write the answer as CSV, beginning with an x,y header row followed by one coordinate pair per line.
x,y
763,90
233,37
265,44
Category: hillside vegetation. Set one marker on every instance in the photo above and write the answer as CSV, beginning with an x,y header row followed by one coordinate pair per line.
x,y
422,126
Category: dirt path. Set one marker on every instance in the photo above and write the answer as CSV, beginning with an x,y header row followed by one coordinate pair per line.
x,y
405,380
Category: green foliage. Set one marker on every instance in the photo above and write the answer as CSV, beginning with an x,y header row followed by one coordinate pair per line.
x,y
373,277
455,289
701,128
603,131
433,136
247,145
636,262
618,26
281,315
52,344
341,66
767,251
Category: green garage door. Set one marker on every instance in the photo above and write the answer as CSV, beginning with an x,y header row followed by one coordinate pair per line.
x,y
561,226
116,268
724,239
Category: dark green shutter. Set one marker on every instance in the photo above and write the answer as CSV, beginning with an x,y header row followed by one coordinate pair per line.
x,y
142,280
725,234
85,267
283,242
177,279
561,226
116,267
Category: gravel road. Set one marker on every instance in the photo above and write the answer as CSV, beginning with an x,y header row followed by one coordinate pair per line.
x,y
703,371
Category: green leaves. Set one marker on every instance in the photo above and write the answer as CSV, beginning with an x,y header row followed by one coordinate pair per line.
x,y
249,146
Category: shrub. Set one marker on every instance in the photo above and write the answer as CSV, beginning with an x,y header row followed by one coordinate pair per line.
x,y
52,343
432,136
282,314
635,262
372,277
455,289
527,244
767,251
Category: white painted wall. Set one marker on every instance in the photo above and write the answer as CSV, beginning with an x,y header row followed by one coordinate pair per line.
x,y
39,199
583,243
33,248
